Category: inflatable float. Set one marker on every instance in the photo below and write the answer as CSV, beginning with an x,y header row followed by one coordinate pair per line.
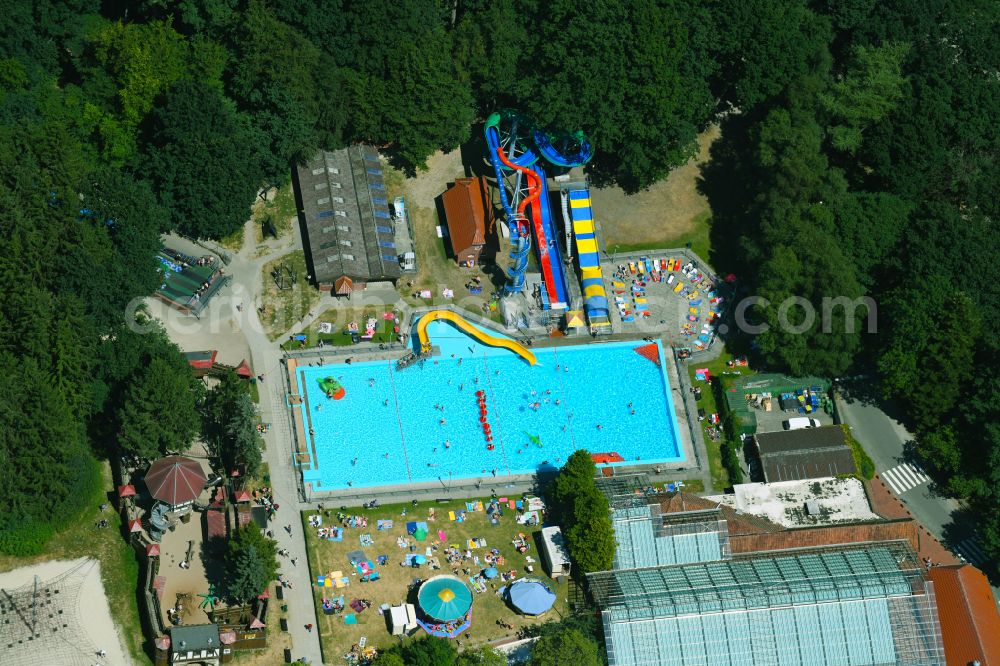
x,y
609,457
332,388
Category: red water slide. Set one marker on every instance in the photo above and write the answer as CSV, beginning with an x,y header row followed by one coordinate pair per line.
x,y
534,190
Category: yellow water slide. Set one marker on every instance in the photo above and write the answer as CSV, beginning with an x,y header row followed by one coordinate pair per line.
x,y
463,325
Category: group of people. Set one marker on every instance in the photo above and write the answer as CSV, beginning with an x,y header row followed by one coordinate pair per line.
x,y
265,497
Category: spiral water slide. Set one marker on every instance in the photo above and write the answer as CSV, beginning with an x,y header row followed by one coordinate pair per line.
x,y
509,137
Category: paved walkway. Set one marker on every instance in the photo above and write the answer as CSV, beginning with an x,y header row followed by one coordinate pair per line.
x,y
248,288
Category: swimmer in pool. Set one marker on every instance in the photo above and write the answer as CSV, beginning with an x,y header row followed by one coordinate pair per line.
x,y
447,444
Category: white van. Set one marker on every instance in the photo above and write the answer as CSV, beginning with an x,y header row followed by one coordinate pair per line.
x,y
800,422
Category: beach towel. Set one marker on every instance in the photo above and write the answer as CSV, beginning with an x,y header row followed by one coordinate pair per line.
x,y
512,504
470,506
385,524
350,619
451,515
366,540
411,527
519,505
442,536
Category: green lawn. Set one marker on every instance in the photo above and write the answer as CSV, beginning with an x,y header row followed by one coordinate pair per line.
x,y
281,210
327,556
283,308
339,319
720,479
119,567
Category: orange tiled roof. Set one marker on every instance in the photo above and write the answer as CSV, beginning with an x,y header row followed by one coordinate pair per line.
x,y
831,535
970,624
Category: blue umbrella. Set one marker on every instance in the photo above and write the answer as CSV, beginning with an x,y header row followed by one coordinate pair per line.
x,y
490,573
531,597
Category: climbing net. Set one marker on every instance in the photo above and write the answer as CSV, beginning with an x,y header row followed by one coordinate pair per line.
x,y
42,621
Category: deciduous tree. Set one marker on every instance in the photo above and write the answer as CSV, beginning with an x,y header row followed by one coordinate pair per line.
x,y
567,646
200,156
159,413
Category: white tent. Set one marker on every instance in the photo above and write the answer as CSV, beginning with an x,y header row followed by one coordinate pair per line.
x,y
554,552
403,619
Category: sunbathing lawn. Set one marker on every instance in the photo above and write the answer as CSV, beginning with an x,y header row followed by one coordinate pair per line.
x,y
326,556
717,366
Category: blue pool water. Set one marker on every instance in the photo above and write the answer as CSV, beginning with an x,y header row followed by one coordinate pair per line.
x,y
387,429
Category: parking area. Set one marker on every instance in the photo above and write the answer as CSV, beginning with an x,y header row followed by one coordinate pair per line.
x,y
764,402
774,420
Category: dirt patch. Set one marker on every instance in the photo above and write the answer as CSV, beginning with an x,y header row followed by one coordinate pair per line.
x,y
666,214
436,269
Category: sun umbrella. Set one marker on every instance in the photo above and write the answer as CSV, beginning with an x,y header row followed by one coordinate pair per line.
x,y
444,598
490,573
420,534
531,597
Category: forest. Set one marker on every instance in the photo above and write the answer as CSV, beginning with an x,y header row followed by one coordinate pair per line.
x,y
859,157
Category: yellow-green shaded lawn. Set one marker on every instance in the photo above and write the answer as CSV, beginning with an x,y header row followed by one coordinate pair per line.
x,y
327,556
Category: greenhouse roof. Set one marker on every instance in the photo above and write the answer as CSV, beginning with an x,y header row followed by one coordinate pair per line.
x,y
849,605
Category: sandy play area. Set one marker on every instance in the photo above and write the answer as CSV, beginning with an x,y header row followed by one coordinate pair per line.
x,y
72,618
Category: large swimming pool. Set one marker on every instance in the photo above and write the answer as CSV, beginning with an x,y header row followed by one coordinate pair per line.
x,y
422,424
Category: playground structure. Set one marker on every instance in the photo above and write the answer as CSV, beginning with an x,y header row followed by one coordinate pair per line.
x,y
515,144
463,325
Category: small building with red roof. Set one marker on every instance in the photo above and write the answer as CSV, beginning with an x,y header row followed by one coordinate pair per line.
x,y
470,219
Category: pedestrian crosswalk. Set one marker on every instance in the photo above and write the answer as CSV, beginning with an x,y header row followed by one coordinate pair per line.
x,y
970,551
904,477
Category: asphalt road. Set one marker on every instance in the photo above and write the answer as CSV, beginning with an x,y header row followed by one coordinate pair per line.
x,y
884,438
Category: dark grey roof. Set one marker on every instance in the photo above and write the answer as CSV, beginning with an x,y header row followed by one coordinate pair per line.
x,y
346,208
194,637
810,453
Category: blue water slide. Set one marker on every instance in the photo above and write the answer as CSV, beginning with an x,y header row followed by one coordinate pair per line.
x,y
579,152
527,158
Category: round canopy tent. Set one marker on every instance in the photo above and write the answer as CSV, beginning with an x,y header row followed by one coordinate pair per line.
x,y
530,597
175,480
444,598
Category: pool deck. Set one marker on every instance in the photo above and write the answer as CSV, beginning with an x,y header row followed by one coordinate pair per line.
x,y
472,487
